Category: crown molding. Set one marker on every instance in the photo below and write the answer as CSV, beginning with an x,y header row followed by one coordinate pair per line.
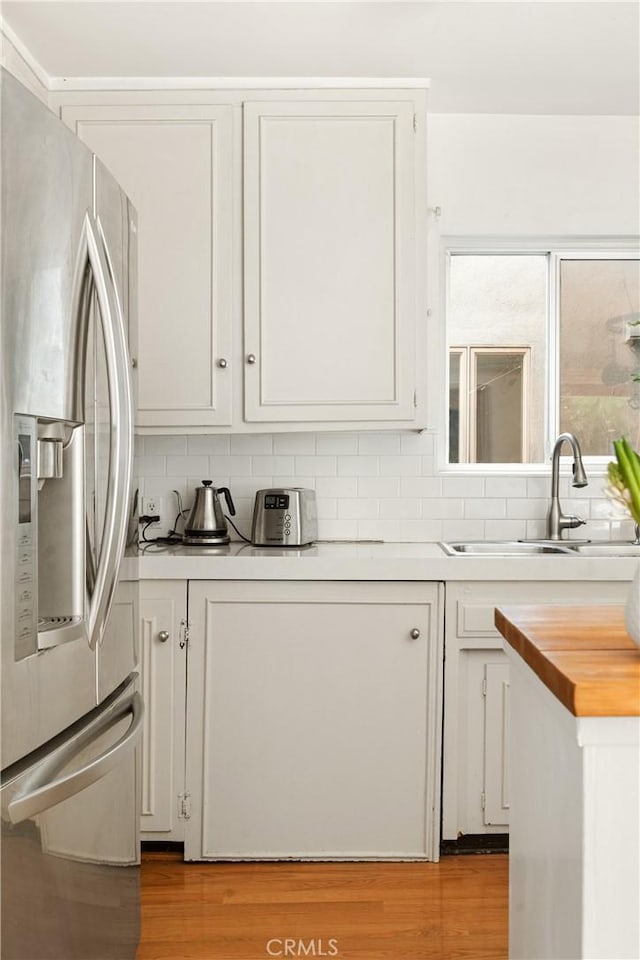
x,y
58,84
25,55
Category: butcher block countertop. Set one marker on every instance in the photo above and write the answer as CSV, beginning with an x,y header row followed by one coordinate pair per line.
x,y
584,655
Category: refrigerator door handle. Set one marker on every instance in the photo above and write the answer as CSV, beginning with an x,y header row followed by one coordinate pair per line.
x,y
121,442
40,792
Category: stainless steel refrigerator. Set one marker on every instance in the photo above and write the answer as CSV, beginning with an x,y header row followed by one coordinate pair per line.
x,y
71,711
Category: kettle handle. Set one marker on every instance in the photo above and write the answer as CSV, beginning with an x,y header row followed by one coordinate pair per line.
x,y
227,496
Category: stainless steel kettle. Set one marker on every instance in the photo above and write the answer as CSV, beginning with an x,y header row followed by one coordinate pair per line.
x,y
206,525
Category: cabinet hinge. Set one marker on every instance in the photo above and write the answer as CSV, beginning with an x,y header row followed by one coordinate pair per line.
x,y
483,800
415,123
184,634
184,806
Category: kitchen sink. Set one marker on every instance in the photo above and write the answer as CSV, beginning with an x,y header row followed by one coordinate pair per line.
x,y
608,548
505,548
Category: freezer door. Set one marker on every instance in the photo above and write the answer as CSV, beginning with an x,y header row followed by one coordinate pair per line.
x,y
70,849
65,370
46,184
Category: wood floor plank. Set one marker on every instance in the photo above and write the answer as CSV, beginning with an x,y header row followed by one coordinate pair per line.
x,y
452,910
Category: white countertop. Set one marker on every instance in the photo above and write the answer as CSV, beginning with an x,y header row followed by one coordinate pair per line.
x,y
361,561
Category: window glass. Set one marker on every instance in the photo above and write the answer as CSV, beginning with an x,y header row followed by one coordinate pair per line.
x,y
497,316
599,400
500,407
520,360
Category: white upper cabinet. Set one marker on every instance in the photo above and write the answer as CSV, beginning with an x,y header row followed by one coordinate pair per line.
x,y
330,260
281,252
175,163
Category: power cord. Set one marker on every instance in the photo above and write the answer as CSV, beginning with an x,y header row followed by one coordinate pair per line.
x,y
241,535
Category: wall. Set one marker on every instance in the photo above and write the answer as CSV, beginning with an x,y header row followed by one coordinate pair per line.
x,y
491,175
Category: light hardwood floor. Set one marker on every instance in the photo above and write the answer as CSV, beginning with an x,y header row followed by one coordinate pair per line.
x,y
452,910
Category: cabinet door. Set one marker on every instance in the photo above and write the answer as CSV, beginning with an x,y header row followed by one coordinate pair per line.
x,y
330,271
476,695
163,607
314,721
175,163
496,738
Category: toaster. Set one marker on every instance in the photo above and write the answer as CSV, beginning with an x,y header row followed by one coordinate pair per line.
x,y
284,517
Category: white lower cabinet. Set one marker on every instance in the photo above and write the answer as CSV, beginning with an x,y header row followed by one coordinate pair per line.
x,y
313,720
475,791
163,612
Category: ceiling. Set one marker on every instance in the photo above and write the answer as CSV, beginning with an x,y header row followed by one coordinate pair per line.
x,y
482,57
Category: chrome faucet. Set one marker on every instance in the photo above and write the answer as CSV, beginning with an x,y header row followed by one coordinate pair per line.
x,y
556,519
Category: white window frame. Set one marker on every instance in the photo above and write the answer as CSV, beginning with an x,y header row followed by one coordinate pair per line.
x,y
555,250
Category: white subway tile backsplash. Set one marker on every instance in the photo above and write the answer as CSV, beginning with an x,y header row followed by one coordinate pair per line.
x,y
378,486
505,529
402,509
602,510
229,466
151,466
463,530
594,530
538,487
358,508
272,466
209,444
420,529
374,530
247,486
188,466
327,508
335,487
315,466
536,529
253,443
505,486
388,443
335,443
485,508
442,508
417,443
358,466
397,466
295,443
422,487
165,445
463,486
291,481
369,485
623,529
529,509
337,529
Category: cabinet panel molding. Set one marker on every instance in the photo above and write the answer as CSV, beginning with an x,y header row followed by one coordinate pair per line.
x,y
176,165
163,676
313,724
330,260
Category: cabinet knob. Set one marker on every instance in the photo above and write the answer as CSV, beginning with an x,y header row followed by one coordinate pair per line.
x,y
222,362
251,358
163,636
414,634
134,362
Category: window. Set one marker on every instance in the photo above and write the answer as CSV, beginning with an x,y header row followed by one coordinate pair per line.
x,y
541,342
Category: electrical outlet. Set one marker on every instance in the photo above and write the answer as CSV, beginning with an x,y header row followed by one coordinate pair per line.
x,y
150,506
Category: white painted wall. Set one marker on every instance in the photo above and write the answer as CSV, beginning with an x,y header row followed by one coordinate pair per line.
x,y
496,175
535,175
